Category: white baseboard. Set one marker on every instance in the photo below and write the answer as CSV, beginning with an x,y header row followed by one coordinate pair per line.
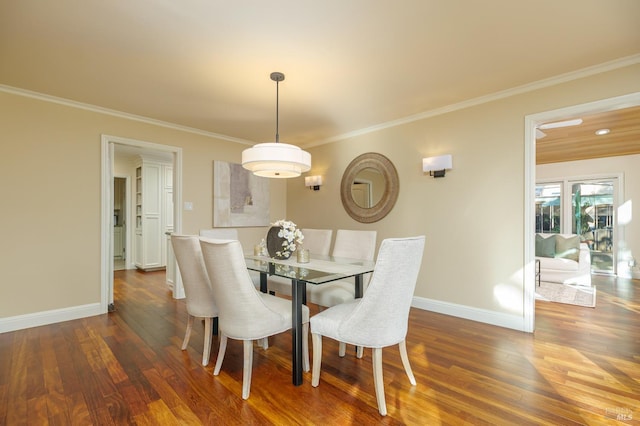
x,y
20,322
474,314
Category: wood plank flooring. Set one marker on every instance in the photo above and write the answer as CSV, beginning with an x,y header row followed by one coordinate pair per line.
x,y
581,366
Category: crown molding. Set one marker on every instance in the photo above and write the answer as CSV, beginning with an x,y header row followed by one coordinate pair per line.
x,y
115,113
529,87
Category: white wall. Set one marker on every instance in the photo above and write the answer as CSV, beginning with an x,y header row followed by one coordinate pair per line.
x,y
628,230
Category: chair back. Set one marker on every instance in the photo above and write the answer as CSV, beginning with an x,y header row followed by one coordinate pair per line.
x,y
317,241
220,233
197,288
355,244
382,315
243,314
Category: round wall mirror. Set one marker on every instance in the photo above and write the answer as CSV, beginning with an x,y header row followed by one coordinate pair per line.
x,y
369,187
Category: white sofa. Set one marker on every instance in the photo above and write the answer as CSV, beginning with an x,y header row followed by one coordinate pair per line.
x,y
566,271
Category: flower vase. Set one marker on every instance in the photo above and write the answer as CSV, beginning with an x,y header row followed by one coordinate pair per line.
x,y
274,244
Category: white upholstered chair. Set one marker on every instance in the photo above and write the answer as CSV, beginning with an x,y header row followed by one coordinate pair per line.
x,y
198,293
380,318
220,233
229,234
352,244
318,242
245,313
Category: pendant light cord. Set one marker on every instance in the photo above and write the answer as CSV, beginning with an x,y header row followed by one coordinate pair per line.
x,y
277,77
277,110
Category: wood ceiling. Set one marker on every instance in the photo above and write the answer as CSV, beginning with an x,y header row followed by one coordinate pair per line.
x,y
581,142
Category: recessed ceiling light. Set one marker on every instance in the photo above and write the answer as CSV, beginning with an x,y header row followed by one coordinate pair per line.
x,y
602,132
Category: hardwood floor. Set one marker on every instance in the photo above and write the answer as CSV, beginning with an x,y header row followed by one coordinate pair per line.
x,y
581,366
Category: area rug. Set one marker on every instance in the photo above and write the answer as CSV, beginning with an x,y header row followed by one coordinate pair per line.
x,y
567,293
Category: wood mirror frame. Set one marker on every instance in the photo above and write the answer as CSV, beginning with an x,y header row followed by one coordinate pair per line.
x,y
385,167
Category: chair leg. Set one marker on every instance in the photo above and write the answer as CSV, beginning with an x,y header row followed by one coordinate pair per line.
x,y
221,351
342,349
206,351
187,333
405,361
246,369
317,358
377,380
305,347
264,343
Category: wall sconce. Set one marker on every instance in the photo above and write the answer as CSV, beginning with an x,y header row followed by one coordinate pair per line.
x,y
436,166
313,182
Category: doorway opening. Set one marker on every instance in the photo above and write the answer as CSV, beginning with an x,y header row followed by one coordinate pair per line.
x,y
111,145
532,122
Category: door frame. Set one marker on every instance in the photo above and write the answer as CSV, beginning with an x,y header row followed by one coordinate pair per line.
x,y
530,123
108,143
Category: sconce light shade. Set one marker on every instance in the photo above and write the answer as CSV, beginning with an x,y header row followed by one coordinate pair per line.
x,y
313,182
436,166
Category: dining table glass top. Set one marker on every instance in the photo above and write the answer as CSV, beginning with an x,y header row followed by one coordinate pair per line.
x,y
319,269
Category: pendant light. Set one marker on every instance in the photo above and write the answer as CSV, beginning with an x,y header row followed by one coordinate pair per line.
x,y
276,160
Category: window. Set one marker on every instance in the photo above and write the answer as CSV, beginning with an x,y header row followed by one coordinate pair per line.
x,y
592,206
587,210
548,207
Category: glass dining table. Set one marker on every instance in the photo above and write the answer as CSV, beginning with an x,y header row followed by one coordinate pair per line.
x,y
319,270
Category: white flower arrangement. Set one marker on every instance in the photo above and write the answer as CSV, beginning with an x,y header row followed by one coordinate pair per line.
x,y
292,237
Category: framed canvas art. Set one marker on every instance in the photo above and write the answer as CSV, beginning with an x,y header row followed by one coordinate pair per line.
x,y
239,197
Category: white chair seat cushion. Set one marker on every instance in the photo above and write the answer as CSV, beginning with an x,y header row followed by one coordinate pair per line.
x,y
328,294
332,293
278,322
327,323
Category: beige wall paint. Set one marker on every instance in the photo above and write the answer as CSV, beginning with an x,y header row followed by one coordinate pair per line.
x,y
628,167
50,170
454,212
473,218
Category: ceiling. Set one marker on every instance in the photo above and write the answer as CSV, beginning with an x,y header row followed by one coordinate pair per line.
x,y
349,65
581,142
